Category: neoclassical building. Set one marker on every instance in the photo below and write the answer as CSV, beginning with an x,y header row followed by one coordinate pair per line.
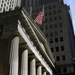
x,y
23,47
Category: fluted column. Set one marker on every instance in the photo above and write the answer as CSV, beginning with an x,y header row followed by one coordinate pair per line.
x,y
24,64
13,61
39,70
33,66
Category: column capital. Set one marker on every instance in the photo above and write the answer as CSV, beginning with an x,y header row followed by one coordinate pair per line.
x,y
38,63
44,69
23,47
13,35
32,56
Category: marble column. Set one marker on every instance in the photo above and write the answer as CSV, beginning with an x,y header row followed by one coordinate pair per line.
x,y
24,64
44,73
33,66
39,70
13,61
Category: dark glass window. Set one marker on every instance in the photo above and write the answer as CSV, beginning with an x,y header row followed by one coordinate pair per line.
x,y
63,57
56,33
61,39
56,39
46,20
45,8
51,40
51,26
50,19
55,18
55,25
57,49
59,11
41,28
49,7
37,10
51,34
45,14
54,6
59,70
54,12
64,69
33,16
62,48
52,49
46,27
50,13
60,31
60,24
46,35
60,17
57,58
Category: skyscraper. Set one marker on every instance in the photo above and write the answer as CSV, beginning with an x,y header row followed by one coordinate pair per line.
x,y
59,32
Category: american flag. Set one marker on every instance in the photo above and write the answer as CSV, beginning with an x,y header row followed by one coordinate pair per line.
x,y
39,17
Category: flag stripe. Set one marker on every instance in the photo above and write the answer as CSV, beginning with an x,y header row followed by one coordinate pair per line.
x,y
39,17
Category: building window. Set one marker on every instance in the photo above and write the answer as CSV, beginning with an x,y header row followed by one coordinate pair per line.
x,y
57,58
56,39
60,31
55,25
63,57
46,20
50,19
50,13
60,17
56,33
51,40
52,49
49,7
64,69
51,26
46,27
0,9
45,14
33,11
62,48
4,4
46,35
54,12
41,28
51,34
37,10
1,5
60,24
59,11
45,8
61,39
57,49
55,18
59,70
54,6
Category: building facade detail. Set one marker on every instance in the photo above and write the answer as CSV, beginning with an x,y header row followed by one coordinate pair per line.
x,y
7,5
27,52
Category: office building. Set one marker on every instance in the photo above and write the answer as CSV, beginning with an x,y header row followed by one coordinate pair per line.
x,y
23,47
59,32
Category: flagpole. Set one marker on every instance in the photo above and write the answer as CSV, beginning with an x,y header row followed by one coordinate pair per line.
x,y
44,18
30,11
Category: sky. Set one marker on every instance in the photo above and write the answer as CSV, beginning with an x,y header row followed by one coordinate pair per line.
x,y
71,3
